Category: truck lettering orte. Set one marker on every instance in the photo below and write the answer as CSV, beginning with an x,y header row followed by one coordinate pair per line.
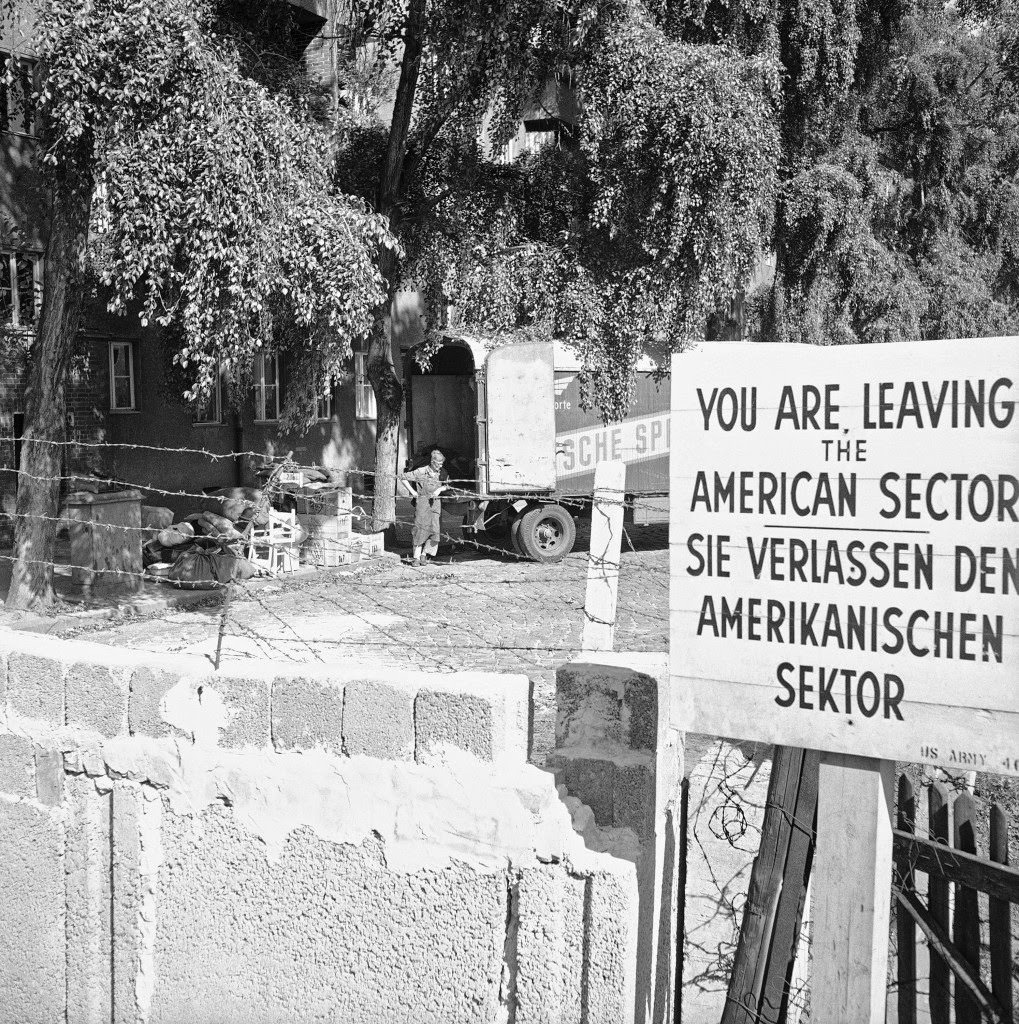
x,y
509,420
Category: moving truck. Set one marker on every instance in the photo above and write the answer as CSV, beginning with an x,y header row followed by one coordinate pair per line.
x,y
508,418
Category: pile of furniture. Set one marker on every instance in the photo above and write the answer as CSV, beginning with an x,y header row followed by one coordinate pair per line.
x,y
302,517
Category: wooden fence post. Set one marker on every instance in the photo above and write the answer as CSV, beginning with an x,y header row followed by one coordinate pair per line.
x,y
966,918
905,926
746,977
792,902
603,556
1000,916
852,889
938,828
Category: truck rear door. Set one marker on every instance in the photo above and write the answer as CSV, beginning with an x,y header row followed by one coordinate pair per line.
x,y
520,411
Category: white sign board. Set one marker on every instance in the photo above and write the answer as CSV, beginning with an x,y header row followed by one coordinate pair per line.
x,y
845,548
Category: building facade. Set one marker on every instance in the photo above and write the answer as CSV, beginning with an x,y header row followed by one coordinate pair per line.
x,y
119,401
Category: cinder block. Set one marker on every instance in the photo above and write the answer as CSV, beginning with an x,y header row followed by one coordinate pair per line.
x,y
49,776
325,933
35,687
127,884
307,713
17,766
96,698
461,720
641,701
378,721
247,701
33,939
147,688
589,779
588,707
549,947
596,703
610,947
633,799
89,897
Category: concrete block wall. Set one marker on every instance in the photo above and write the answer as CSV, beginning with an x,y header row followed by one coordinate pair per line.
x,y
361,711
294,844
618,754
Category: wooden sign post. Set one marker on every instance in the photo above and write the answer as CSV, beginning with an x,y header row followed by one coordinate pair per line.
x,y
845,578
853,864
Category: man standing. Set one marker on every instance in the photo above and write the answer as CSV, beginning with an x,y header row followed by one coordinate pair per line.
x,y
428,483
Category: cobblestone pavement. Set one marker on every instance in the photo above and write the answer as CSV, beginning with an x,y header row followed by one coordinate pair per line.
x,y
469,610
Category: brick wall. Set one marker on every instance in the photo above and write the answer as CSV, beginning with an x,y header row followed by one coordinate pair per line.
x,y
86,398
86,404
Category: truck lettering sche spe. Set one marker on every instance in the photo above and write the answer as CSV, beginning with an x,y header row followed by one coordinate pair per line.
x,y
508,418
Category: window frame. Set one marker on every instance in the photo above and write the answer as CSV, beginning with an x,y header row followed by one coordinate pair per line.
x,y
28,117
365,407
217,394
259,387
132,374
9,260
329,405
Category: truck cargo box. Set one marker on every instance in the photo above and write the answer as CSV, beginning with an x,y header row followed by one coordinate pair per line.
x,y
641,440
508,418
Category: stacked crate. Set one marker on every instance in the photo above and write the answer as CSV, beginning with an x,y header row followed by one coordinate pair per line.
x,y
325,517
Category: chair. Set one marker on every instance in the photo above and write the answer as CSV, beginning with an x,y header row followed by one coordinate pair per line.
x,y
275,545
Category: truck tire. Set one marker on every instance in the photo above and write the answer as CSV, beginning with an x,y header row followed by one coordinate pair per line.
x,y
546,533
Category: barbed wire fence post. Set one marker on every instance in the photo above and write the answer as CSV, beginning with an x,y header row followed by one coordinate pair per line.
x,y
262,506
603,556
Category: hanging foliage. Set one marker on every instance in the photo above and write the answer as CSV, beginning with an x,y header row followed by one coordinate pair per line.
x,y
623,232
904,222
211,197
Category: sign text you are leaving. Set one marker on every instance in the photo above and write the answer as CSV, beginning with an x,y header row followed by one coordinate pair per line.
x,y
845,542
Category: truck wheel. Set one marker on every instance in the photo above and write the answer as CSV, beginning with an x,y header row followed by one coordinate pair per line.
x,y
546,533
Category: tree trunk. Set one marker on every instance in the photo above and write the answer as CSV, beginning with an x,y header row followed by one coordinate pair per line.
x,y
38,504
389,407
381,369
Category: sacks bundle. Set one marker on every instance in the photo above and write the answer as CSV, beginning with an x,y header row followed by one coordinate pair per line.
x,y
197,552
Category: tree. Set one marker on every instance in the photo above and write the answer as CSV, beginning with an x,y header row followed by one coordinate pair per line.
x,y
621,237
197,194
898,207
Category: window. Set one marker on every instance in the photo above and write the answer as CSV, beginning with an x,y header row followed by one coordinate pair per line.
x,y
122,396
20,289
267,388
364,394
211,411
324,409
17,109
